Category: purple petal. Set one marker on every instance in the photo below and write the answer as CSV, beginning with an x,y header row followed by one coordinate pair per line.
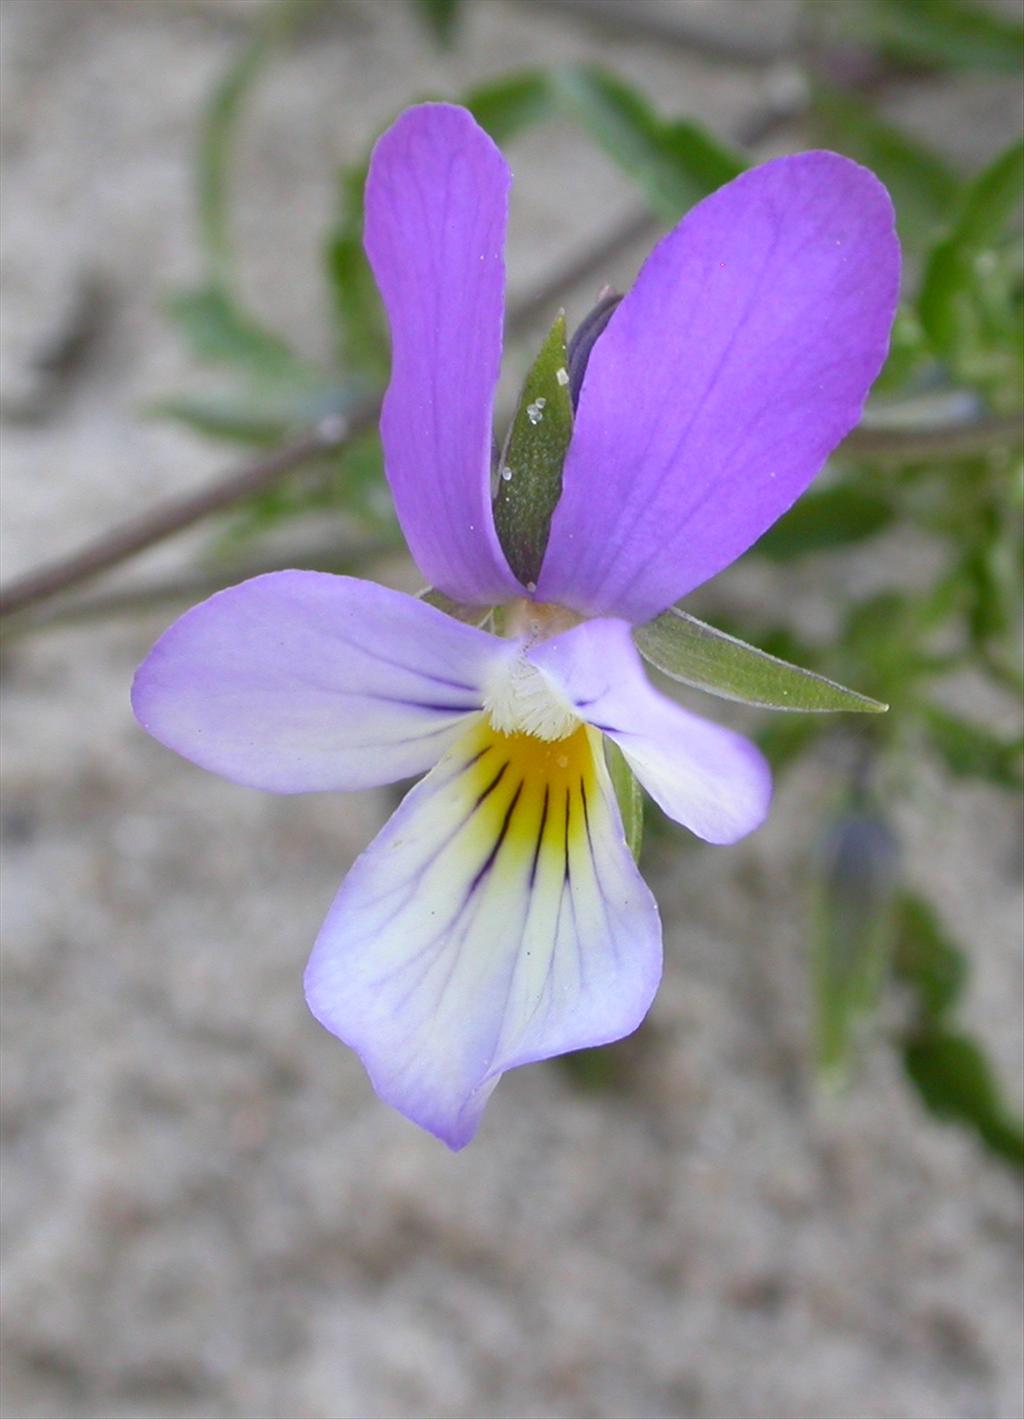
x,y
714,782
436,211
299,681
741,357
497,919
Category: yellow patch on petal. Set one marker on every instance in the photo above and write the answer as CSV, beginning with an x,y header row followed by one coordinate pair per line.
x,y
530,798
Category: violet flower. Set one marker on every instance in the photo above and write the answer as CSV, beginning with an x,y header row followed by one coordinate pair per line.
x,y
499,917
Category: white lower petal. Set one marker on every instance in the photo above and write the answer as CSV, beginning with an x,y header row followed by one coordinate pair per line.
x,y
498,918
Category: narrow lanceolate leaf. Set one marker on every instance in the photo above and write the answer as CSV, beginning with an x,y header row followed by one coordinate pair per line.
x,y
697,654
956,1083
949,1069
362,328
926,961
530,472
819,522
675,161
629,796
960,33
220,332
950,271
505,106
220,121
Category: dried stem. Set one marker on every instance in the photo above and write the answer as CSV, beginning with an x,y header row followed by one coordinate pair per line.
x,y
940,442
174,514
190,585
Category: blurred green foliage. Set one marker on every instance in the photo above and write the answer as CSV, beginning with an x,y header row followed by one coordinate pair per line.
x,y
941,462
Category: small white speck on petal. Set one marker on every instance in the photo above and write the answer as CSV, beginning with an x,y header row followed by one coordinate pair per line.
x,y
506,474
562,375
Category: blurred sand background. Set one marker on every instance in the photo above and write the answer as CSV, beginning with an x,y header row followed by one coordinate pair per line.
x,y
206,1210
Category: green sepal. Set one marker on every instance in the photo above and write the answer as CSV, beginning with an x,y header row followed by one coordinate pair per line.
x,y
697,654
468,615
629,795
530,471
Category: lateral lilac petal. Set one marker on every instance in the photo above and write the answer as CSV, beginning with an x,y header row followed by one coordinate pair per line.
x,y
436,213
497,919
738,361
300,681
714,782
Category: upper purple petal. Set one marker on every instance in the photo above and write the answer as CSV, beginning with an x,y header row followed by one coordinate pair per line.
x,y
301,681
740,358
436,212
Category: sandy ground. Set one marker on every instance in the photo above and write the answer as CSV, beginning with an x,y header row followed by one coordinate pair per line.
x,y
207,1213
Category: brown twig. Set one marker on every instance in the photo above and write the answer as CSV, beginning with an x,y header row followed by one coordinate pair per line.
x,y
190,585
938,443
174,514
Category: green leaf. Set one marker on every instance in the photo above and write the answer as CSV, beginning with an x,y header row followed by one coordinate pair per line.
x,y
363,346
697,654
676,162
348,481
923,186
629,795
509,104
220,122
925,960
215,146
440,18
226,416
221,333
835,517
853,931
530,471
956,1083
970,750
948,1069
950,276
959,33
